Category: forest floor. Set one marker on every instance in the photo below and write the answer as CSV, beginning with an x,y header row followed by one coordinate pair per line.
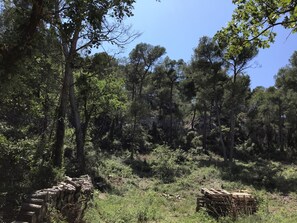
x,y
163,187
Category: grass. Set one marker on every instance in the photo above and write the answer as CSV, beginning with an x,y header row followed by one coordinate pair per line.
x,y
149,189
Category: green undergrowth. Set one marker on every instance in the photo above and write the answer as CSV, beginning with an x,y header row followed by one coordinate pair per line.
x,y
149,189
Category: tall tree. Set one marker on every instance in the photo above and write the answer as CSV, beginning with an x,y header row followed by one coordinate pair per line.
x,y
88,21
100,89
209,77
237,63
166,79
142,60
286,85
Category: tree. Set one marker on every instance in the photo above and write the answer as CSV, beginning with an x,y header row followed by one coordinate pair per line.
x,y
88,21
207,73
33,85
253,22
237,63
100,90
142,60
165,81
286,85
271,115
18,33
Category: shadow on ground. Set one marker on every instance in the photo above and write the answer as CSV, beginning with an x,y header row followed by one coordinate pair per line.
x,y
140,167
262,174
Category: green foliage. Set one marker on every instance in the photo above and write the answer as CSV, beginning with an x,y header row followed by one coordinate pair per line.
x,y
56,216
113,167
165,164
18,158
194,141
253,21
269,122
15,165
53,175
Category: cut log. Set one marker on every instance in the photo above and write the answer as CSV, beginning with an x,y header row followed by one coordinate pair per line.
x,y
40,210
27,216
19,222
40,195
221,202
35,201
206,191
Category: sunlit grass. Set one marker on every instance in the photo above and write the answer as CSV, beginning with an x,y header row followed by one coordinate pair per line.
x,y
136,198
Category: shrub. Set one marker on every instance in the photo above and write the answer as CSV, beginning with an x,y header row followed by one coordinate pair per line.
x,y
165,166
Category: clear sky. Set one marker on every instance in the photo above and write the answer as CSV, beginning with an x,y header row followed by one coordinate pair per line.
x,y
177,25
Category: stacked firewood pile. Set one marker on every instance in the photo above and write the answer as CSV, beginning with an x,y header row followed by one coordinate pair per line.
x,y
70,191
223,203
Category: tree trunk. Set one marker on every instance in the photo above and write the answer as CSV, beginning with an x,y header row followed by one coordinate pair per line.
x,y
204,130
171,113
232,134
43,139
57,155
85,125
111,131
133,91
193,118
232,117
133,149
140,88
80,154
220,132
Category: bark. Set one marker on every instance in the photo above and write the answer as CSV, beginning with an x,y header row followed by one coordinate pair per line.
x,y
171,113
79,138
140,90
280,127
193,118
85,125
220,133
204,130
133,150
80,154
232,135
111,131
232,116
60,129
45,124
133,92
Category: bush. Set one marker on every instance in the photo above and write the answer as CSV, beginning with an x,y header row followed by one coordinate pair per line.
x,y
15,165
165,164
20,173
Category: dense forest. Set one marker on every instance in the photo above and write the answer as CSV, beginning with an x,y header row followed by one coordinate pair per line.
x,y
65,107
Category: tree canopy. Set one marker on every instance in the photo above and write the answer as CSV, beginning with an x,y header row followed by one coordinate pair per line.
x,y
253,22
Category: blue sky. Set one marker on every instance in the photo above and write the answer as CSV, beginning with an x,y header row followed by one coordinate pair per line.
x,y
177,25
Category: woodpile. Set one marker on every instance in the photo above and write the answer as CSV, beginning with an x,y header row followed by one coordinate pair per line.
x,y
35,208
223,203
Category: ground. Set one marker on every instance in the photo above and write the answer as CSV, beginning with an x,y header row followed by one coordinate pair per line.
x,y
163,186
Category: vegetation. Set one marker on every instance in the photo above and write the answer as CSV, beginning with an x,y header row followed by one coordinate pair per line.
x,y
135,193
149,130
